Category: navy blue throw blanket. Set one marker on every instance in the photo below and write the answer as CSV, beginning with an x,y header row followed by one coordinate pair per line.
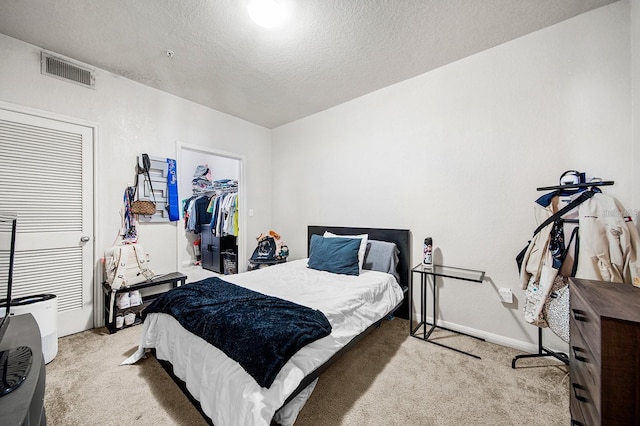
x,y
259,332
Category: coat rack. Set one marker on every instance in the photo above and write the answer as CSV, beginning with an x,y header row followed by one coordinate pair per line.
x,y
576,185
542,350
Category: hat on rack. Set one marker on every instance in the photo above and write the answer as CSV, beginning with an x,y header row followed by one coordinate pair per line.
x,y
572,177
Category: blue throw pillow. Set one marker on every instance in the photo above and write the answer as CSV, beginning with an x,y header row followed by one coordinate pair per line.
x,y
337,255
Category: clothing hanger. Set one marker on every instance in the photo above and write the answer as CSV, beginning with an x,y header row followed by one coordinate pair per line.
x,y
576,185
573,182
573,179
573,189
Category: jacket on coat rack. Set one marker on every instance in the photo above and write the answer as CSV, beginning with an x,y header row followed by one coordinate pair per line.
x,y
609,242
608,249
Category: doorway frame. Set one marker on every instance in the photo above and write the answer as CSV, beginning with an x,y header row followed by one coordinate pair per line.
x,y
242,221
97,297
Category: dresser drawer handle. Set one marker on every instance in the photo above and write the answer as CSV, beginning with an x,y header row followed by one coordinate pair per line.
x,y
577,357
577,387
580,315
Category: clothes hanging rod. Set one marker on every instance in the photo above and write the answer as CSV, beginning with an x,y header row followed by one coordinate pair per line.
x,y
576,185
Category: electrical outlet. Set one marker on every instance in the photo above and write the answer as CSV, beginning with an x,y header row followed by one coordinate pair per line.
x,y
506,296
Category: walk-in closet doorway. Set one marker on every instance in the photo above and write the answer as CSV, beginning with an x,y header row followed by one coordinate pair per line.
x,y
223,165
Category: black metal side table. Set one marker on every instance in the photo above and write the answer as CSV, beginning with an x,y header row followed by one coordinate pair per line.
x,y
434,271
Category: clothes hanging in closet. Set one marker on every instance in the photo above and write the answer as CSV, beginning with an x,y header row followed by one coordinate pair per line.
x,y
224,214
195,213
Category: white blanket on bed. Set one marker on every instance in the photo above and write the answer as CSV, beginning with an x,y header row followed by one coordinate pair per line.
x,y
230,396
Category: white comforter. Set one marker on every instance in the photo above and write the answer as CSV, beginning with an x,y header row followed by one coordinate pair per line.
x,y
230,396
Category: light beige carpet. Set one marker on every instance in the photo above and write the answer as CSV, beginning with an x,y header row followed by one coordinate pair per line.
x,y
389,378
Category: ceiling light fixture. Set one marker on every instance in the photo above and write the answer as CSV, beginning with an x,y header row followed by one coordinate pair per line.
x,y
268,13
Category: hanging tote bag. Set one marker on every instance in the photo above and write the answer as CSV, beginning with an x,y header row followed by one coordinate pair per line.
x,y
556,308
144,207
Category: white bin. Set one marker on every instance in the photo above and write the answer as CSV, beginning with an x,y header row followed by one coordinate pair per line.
x,y
44,308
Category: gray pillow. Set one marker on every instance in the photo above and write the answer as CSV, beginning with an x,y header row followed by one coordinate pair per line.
x,y
382,256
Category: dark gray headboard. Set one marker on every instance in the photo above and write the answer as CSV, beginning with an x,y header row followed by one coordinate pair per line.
x,y
401,238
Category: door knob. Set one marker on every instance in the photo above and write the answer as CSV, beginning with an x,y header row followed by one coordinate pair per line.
x,y
84,238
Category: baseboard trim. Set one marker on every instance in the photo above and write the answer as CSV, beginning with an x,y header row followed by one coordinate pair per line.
x,y
498,339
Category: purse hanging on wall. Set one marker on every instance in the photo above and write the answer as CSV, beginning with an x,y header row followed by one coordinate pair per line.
x,y
144,207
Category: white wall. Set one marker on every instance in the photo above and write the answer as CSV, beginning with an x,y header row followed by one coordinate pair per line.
x,y
133,119
457,154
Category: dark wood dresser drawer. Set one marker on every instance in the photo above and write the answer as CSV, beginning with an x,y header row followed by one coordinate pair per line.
x,y
604,353
585,321
585,397
584,370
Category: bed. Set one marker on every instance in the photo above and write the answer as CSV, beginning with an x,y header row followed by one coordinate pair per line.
x,y
353,304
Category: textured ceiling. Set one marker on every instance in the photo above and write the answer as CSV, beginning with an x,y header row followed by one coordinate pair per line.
x,y
330,51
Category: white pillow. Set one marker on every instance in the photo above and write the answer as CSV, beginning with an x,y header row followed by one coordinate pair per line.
x,y
363,244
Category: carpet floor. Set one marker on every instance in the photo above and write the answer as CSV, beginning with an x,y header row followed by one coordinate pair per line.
x,y
388,378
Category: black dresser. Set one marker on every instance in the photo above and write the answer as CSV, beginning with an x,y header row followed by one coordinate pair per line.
x,y
214,249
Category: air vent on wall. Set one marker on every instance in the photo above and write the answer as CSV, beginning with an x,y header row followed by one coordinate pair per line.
x,y
65,70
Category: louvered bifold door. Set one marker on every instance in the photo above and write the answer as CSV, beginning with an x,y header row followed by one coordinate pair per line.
x,y
46,179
